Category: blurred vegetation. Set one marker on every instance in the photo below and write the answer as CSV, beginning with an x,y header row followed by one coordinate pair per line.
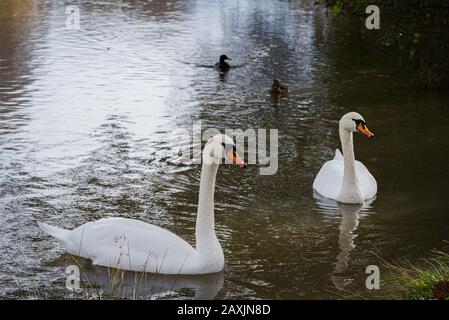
x,y
417,30
14,8
428,280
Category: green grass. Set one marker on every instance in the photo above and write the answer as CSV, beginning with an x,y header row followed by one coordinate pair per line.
x,y
421,281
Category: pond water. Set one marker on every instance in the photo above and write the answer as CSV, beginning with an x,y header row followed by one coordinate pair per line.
x,y
88,123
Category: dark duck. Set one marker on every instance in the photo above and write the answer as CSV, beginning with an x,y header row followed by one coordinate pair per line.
x,y
222,65
278,88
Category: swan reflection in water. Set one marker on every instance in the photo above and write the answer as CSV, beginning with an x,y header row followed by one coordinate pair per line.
x,y
125,284
350,216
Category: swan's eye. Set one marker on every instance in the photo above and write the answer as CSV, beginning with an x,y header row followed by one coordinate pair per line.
x,y
226,146
359,122
229,147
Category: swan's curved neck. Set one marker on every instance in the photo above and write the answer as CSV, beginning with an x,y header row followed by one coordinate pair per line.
x,y
349,175
206,240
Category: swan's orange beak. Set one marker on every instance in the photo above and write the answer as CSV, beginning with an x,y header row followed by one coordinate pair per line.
x,y
364,129
232,155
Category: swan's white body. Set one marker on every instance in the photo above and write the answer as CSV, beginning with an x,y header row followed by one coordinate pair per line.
x,y
130,245
138,246
344,179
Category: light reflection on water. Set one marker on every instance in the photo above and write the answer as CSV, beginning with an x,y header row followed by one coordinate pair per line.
x,y
87,121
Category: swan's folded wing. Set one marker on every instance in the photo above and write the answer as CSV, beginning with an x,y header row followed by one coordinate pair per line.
x,y
328,181
367,183
338,155
130,244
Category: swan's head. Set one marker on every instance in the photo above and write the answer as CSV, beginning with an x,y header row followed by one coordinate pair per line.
x,y
354,122
219,147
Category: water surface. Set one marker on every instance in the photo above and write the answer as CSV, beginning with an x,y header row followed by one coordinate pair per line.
x,y
87,122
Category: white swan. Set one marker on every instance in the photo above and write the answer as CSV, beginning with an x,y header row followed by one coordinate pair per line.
x,y
138,246
344,179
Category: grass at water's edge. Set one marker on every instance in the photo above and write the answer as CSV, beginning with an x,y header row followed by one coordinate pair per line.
x,y
118,285
426,280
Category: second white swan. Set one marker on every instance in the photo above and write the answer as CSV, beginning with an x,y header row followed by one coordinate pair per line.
x,y
344,179
138,246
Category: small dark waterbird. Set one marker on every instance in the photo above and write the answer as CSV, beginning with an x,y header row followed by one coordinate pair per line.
x,y
278,88
222,65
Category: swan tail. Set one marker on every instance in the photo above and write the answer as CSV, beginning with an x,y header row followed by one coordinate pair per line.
x,y
58,233
338,155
